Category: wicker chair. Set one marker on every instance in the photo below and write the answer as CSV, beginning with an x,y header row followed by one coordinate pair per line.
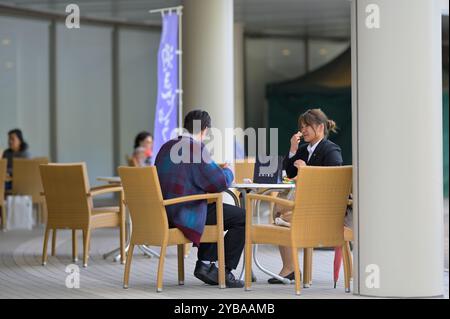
x,y
70,206
317,219
150,224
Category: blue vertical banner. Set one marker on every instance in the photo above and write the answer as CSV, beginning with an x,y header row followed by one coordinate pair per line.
x,y
166,116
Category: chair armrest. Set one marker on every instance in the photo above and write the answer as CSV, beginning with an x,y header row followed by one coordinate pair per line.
x,y
104,189
211,196
267,198
215,197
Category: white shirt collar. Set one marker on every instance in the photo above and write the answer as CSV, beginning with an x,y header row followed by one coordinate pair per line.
x,y
311,148
187,134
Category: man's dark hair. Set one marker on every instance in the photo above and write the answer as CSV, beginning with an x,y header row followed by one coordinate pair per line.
x,y
197,115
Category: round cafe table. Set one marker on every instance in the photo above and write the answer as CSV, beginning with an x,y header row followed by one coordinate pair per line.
x,y
262,189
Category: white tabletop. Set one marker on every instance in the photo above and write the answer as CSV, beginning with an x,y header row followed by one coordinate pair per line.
x,y
259,186
109,179
116,179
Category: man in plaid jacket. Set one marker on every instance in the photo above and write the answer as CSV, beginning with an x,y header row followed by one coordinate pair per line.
x,y
185,168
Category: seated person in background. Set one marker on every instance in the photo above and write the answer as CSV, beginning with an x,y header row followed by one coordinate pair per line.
x,y
314,127
17,148
185,168
143,149
140,158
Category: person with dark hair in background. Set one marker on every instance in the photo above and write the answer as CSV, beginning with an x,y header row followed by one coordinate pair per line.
x,y
143,149
314,128
17,147
185,168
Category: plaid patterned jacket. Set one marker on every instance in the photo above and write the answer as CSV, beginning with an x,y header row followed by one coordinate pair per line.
x,y
185,168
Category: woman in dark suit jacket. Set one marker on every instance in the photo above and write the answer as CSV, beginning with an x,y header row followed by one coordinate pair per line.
x,y
18,148
314,127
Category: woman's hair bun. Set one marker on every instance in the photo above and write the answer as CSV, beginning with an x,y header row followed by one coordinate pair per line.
x,y
331,126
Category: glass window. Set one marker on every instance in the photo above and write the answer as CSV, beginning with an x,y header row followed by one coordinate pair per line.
x,y
84,98
24,88
138,52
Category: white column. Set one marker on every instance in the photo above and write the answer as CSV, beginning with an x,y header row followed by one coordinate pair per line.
x,y
239,111
397,143
208,63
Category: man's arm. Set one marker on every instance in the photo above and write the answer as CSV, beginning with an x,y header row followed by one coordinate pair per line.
x,y
210,177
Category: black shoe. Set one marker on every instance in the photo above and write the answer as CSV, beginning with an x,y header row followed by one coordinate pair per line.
x,y
291,276
207,274
232,282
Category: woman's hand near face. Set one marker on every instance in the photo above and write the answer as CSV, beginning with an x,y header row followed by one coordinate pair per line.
x,y
295,139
